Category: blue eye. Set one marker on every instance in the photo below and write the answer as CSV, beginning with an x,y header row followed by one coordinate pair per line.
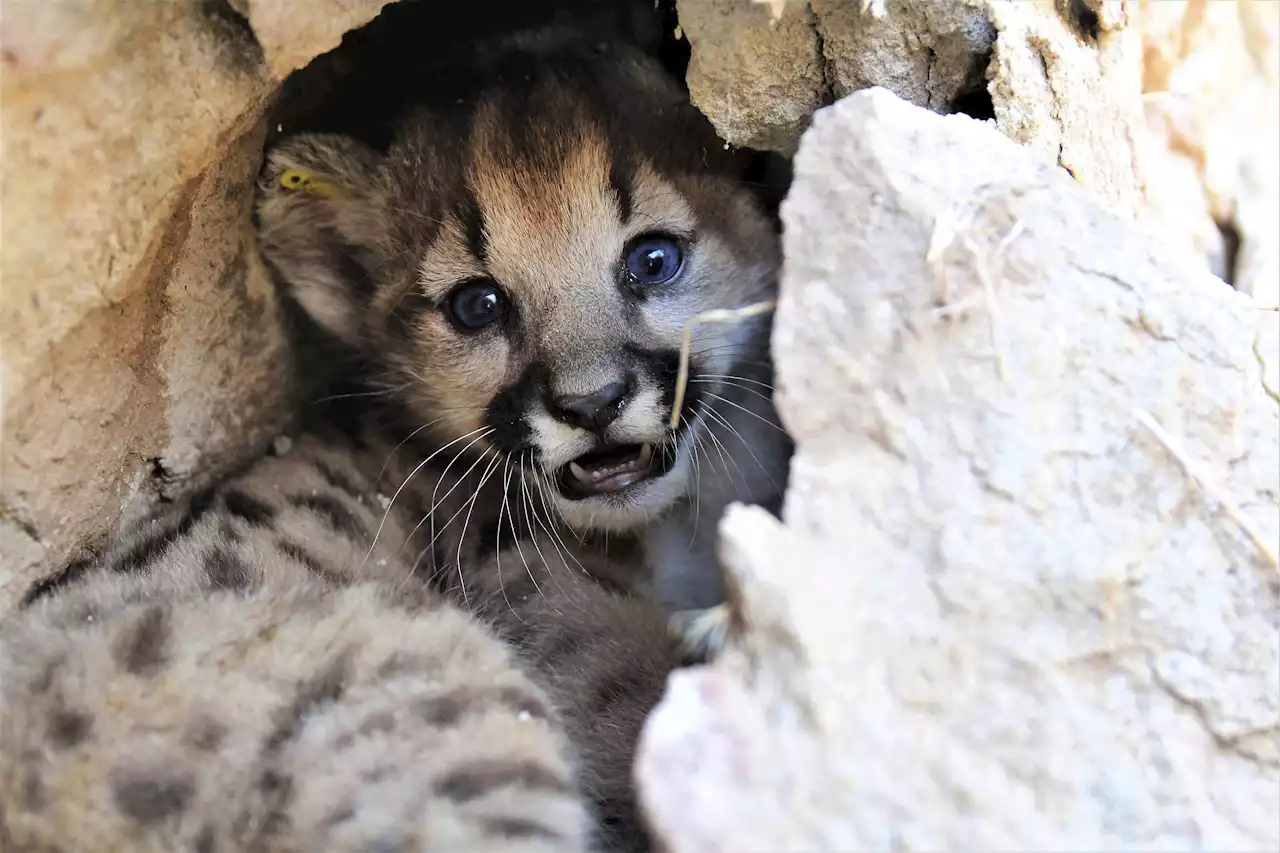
x,y
653,259
476,304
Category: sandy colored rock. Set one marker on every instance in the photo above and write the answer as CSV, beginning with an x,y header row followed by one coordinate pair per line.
x,y
1211,85
999,614
293,32
1065,86
140,347
1066,82
756,69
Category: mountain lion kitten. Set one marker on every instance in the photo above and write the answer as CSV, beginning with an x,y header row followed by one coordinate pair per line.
x,y
428,625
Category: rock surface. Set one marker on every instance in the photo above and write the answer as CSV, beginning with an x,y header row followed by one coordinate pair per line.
x,y
1064,79
1211,90
1000,614
140,345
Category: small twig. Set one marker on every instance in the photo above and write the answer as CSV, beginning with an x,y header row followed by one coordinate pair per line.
x,y
1205,483
720,315
993,308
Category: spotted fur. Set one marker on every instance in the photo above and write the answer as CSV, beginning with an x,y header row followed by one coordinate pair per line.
x,y
244,673
400,635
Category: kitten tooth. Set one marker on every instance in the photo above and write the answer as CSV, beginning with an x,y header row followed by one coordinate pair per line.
x,y
578,472
646,453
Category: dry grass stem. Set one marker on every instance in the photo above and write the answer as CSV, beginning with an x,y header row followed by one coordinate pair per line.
x,y
719,315
1194,470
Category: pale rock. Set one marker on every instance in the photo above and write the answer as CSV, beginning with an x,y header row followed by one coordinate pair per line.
x,y
998,614
140,343
1069,93
1211,83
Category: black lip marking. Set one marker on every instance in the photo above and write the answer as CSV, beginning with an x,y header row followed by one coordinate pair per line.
x,y
505,414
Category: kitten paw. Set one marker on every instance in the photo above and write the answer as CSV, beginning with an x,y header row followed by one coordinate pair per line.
x,y
702,633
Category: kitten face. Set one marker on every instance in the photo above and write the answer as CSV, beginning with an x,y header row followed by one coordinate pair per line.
x,y
523,261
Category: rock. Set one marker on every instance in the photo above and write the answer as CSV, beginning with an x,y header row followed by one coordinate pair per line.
x,y
294,32
756,70
999,613
1211,87
141,343
1063,79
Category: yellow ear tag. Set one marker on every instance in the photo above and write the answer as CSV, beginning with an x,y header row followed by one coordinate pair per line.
x,y
303,181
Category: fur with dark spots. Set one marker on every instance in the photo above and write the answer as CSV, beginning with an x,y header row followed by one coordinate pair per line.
x,y
151,795
468,783
248,509
275,785
380,723
401,664
34,796
518,828
338,479
448,709
524,702
72,572
340,816
309,561
142,555
225,569
324,687
205,734
142,649
206,841
441,711
69,728
389,845
334,513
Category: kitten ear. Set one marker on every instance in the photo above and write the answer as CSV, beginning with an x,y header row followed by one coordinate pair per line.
x,y
317,225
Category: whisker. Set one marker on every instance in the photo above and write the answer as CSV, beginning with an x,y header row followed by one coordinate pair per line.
x,y
731,377
747,388
430,514
548,503
528,505
723,451
497,539
697,481
462,538
747,446
744,409
412,474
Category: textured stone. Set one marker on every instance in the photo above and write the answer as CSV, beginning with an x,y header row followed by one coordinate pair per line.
x,y
140,346
1211,87
293,32
998,614
1063,87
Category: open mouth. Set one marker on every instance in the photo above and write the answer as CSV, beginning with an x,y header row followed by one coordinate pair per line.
x,y
612,469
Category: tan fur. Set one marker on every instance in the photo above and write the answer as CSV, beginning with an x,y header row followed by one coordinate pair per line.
x,y
270,679
401,635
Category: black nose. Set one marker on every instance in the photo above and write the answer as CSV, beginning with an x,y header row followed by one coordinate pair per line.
x,y
593,411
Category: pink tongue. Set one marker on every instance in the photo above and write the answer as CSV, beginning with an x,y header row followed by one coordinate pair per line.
x,y
619,481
